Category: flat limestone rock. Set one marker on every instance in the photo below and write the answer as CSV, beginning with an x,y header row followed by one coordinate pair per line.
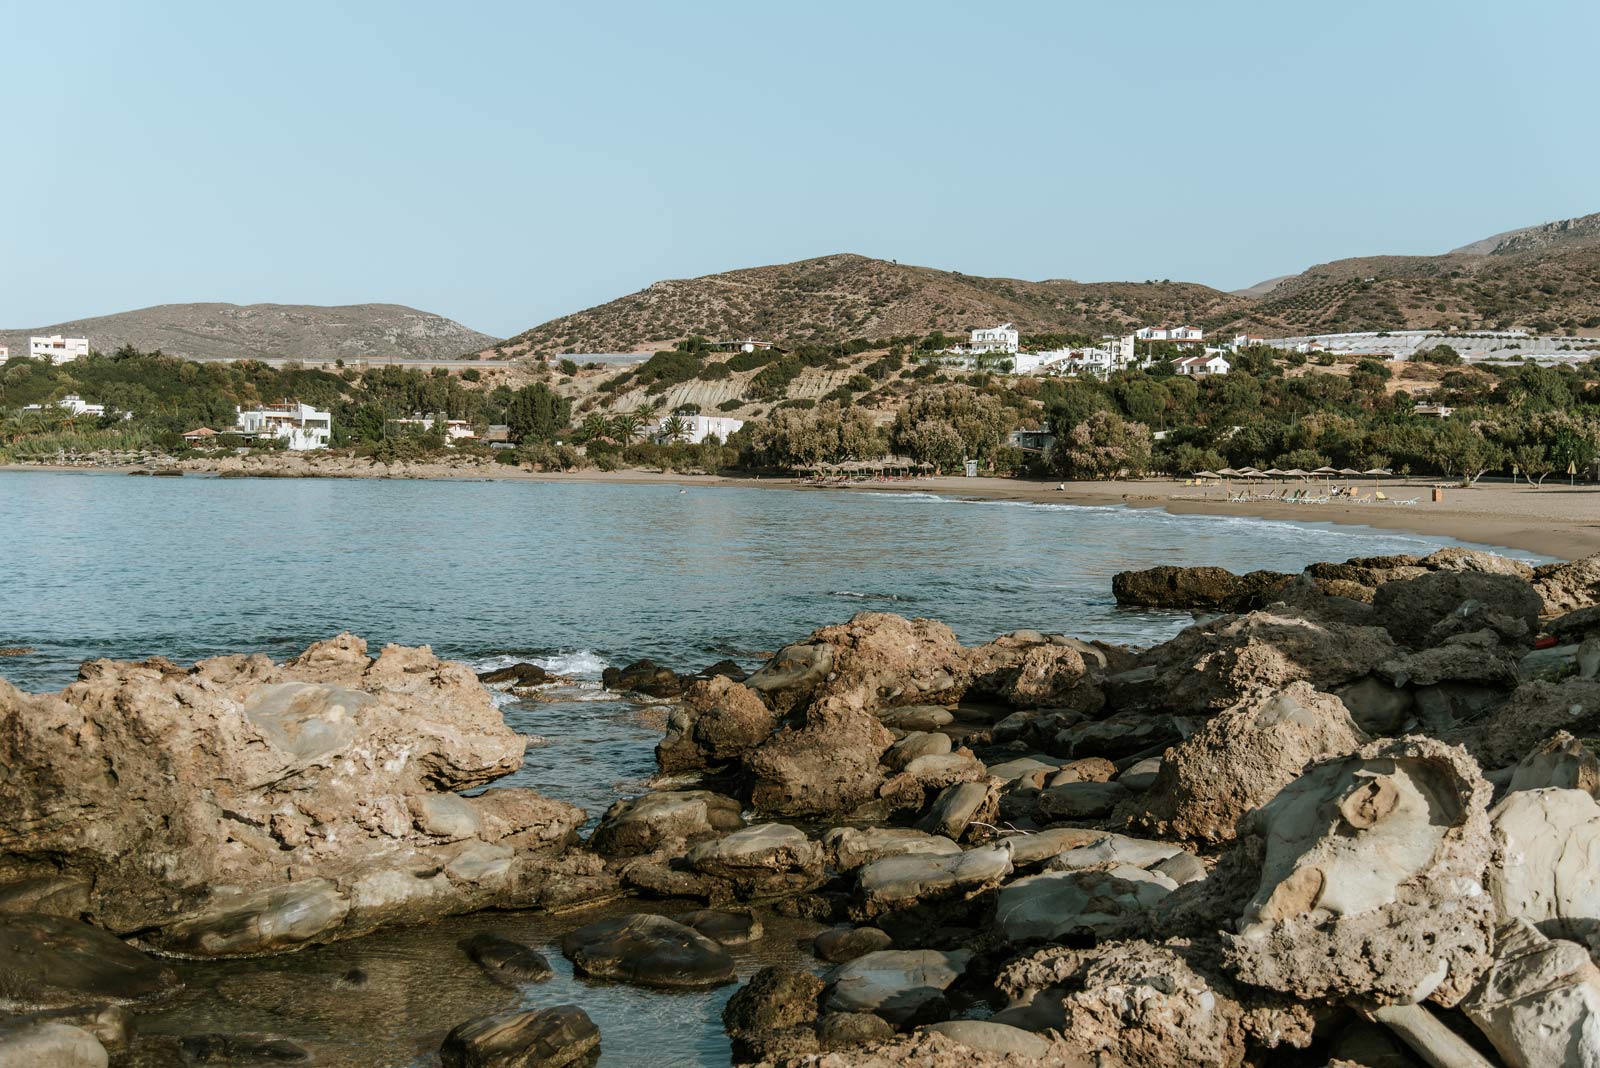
x,y
1549,861
851,847
648,950
556,1037
900,985
1540,1001
899,882
1056,904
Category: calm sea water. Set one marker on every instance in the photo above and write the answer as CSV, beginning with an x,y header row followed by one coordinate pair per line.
x,y
574,577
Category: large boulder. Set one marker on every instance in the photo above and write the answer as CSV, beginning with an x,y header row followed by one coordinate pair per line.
x,y
876,660
1569,586
766,860
1371,871
1240,759
1141,1006
664,820
1210,589
644,677
718,722
826,766
1540,1001
1546,870
1026,669
899,882
1214,665
776,1001
904,986
1421,612
648,950
327,780
555,1037
50,962
849,848
49,1044
1054,905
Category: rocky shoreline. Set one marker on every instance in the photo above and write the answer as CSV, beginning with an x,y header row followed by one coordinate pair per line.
x,y
1352,821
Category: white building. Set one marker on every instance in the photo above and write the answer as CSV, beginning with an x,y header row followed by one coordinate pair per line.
x,y
698,428
1183,335
77,406
301,426
5,353
1209,364
1003,338
454,429
58,349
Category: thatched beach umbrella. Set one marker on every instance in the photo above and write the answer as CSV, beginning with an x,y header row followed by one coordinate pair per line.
x,y
1295,472
1349,472
1207,474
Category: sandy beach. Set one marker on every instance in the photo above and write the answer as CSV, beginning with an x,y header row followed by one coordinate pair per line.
x,y
1554,520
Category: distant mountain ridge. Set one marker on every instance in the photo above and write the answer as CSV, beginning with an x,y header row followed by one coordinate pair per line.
x,y
241,331
1544,278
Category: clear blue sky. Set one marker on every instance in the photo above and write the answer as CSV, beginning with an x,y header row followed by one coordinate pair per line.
x,y
505,163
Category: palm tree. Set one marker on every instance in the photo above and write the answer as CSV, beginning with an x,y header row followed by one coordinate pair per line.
x,y
675,428
594,426
626,427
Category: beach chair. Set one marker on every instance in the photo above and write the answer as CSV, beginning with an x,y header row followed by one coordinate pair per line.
x,y
1380,495
1409,500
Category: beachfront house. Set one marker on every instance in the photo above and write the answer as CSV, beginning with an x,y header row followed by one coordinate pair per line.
x,y
57,349
1004,338
1034,441
299,426
697,428
455,430
77,406
1196,366
1182,335
200,437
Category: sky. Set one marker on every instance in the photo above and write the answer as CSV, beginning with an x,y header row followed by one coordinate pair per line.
x,y
506,163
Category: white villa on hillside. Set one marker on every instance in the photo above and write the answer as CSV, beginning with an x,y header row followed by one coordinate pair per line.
x,y
698,428
57,349
1183,335
1003,338
454,429
300,426
1209,364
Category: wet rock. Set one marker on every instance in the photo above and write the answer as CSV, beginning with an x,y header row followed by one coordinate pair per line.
x,y
1421,612
904,986
666,818
827,766
48,1044
1563,763
1211,589
849,848
959,806
900,882
847,943
1567,587
519,674
330,783
1240,759
111,1025
643,677
1079,800
505,961
228,1049
1000,1039
49,962
838,1030
922,718
1371,870
555,1037
725,927
728,669
1540,1001
647,950
766,860
718,721
1547,868
777,998
1040,847
1059,904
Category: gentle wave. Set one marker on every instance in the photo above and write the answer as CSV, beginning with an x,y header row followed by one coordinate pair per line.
x,y
578,664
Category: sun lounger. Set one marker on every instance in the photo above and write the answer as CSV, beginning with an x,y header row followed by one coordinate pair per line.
x,y
1410,500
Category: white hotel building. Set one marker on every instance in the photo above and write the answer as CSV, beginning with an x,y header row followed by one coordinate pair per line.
x,y
698,428
301,426
57,349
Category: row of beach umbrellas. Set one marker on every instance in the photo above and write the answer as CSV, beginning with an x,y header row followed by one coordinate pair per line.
x,y
1295,472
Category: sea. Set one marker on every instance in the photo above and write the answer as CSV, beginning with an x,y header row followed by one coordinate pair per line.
x,y
573,577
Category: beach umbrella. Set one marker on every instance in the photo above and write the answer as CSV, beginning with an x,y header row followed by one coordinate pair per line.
x,y
1349,472
1295,472
1228,472
1206,474
1272,472
1379,472
1326,471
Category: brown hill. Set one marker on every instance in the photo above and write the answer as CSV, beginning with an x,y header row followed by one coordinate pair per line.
x,y
845,296
195,331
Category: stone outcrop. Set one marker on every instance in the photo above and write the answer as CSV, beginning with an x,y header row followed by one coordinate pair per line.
x,y
243,806
1240,759
1371,878
827,765
1546,870
718,722
876,660
1210,589
648,950
1567,587
1539,1003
